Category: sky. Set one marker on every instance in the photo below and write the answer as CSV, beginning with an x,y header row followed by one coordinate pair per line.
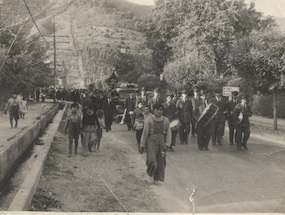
x,y
268,7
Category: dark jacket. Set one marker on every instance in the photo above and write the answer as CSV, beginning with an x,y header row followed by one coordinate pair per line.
x,y
169,110
109,109
230,105
185,110
221,115
130,104
245,111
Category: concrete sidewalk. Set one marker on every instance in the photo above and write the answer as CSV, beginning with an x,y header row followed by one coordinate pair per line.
x,y
267,121
35,111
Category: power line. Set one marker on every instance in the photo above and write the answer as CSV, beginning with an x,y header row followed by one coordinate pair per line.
x,y
34,21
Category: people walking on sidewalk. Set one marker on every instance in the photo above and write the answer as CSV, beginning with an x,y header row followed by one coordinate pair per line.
x,y
242,113
23,107
156,137
73,128
13,106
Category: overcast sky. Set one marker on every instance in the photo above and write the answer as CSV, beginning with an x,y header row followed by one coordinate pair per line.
x,y
268,7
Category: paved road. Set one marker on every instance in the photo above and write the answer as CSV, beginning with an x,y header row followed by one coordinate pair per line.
x,y
226,180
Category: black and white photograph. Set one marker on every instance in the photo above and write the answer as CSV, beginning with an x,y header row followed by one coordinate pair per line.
x,y
142,107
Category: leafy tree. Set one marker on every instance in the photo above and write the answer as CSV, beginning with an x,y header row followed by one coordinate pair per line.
x,y
260,60
210,28
25,67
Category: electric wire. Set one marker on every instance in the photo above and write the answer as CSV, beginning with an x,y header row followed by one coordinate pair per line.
x,y
28,9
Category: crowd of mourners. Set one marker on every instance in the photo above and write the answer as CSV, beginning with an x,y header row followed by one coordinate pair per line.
x,y
156,120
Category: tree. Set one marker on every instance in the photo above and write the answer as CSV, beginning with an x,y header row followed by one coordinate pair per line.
x,y
25,67
260,60
209,27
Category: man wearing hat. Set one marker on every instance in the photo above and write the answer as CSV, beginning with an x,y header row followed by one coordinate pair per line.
x,y
130,105
219,119
170,112
242,112
185,113
13,106
156,99
230,111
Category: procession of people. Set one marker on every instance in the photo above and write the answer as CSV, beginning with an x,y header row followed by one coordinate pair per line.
x,y
154,120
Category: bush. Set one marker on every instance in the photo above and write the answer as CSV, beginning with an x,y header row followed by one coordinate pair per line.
x,y
263,106
149,81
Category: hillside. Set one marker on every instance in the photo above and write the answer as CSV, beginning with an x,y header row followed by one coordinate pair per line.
x,y
96,32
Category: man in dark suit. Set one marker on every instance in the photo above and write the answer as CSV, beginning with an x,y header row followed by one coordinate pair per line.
x,y
196,103
130,105
242,112
185,114
170,112
231,121
109,110
219,119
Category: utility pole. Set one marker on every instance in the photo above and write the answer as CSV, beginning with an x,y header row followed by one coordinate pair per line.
x,y
54,58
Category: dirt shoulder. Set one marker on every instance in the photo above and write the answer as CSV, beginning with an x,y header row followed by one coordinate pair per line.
x,y
109,180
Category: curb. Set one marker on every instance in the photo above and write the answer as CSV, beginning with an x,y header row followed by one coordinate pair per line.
x,y
24,196
257,136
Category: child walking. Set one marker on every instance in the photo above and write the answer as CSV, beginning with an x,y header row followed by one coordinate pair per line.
x,y
23,107
90,124
138,128
101,119
73,127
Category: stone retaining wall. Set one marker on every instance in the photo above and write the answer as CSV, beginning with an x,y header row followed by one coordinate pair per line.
x,y
20,144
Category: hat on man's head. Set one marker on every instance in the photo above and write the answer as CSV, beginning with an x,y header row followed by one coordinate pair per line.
x,y
184,92
235,93
244,97
15,92
170,94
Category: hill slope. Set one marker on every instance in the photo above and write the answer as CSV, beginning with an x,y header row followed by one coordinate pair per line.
x,y
98,30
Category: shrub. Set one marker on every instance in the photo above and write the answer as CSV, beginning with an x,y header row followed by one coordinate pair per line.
x,y
263,105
